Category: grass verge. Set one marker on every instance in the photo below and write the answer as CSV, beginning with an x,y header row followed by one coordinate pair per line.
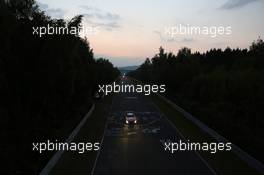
x,y
92,131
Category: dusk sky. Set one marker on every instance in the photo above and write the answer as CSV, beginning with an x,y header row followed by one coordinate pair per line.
x,y
130,31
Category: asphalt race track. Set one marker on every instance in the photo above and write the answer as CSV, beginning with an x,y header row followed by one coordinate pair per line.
x,y
139,149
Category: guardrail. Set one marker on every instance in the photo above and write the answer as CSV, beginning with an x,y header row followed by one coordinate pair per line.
x,y
251,161
55,158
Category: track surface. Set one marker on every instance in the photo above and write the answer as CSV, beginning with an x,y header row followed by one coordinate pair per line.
x,y
139,149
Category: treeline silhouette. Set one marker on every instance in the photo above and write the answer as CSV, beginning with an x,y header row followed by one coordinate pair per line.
x,y
46,83
223,88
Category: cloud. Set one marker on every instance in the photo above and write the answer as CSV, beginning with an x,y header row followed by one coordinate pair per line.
x,y
159,34
93,12
163,38
231,4
42,6
187,40
105,25
53,12
108,16
101,16
97,17
89,8
172,39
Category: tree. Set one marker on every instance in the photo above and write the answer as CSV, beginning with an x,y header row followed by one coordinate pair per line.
x,y
257,47
223,88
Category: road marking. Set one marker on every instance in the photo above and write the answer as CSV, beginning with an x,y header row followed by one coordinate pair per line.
x,y
131,133
101,143
132,98
152,131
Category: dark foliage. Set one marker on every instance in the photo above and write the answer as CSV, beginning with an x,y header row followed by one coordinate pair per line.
x,y
224,88
44,83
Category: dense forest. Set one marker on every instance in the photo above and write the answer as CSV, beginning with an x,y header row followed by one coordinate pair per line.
x,y
45,82
223,88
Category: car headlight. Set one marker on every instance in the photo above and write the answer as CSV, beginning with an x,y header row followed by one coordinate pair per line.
x,y
126,122
135,121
